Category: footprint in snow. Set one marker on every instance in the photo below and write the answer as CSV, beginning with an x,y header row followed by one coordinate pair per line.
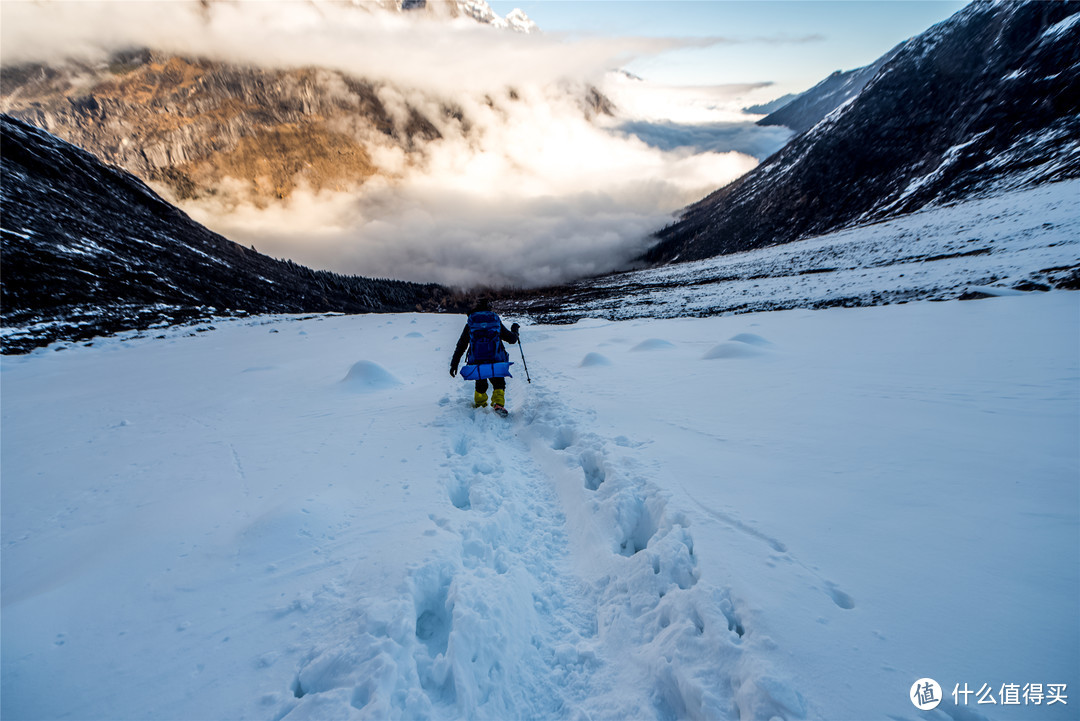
x,y
565,436
840,598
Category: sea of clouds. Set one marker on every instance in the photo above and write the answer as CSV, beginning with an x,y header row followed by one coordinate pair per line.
x,y
536,192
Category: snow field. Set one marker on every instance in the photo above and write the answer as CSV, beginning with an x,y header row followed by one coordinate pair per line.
x,y
885,491
780,515
939,253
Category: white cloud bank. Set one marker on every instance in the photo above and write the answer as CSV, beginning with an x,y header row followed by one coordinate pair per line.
x,y
411,49
535,193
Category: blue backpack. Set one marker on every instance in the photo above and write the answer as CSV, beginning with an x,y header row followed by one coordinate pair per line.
x,y
487,356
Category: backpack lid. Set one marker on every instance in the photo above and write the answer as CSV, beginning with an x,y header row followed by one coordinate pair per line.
x,y
484,342
483,317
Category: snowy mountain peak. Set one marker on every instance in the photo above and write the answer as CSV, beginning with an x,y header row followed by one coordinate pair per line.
x,y
517,20
480,11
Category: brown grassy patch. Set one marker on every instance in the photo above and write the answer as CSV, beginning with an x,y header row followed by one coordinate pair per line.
x,y
276,160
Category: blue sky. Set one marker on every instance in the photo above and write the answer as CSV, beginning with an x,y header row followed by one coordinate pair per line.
x,y
792,43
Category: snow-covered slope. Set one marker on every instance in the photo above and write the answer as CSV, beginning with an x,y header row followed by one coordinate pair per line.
x,y
1026,240
780,515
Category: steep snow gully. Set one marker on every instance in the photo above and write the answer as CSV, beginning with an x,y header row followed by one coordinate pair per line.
x,y
564,588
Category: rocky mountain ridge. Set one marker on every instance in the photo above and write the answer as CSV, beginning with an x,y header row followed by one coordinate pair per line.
x,y
987,101
190,124
195,127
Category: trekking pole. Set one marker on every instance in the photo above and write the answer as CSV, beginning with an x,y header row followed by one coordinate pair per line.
x,y
526,365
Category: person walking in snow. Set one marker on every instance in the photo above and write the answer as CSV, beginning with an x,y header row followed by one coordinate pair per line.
x,y
483,336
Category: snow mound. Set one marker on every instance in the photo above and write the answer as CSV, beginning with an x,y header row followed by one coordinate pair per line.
x,y
752,339
743,345
732,349
414,334
594,359
366,376
653,344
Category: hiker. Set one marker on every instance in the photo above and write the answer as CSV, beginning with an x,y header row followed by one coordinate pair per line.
x,y
483,335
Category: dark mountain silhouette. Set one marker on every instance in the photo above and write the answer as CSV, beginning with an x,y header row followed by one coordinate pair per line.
x,y
89,249
986,101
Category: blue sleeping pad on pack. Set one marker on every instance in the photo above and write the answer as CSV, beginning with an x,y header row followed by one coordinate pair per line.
x,y
487,357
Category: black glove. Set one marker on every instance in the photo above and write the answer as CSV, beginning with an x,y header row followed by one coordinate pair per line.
x,y
514,328
453,372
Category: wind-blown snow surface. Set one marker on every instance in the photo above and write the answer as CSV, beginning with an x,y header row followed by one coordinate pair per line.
x,y
789,514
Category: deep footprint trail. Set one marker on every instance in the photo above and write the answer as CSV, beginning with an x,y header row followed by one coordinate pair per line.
x,y
562,587
518,624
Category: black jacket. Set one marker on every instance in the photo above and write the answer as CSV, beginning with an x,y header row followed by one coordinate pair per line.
x,y
463,342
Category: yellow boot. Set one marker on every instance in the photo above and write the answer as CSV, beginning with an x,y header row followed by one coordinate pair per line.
x,y
498,398
480,399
